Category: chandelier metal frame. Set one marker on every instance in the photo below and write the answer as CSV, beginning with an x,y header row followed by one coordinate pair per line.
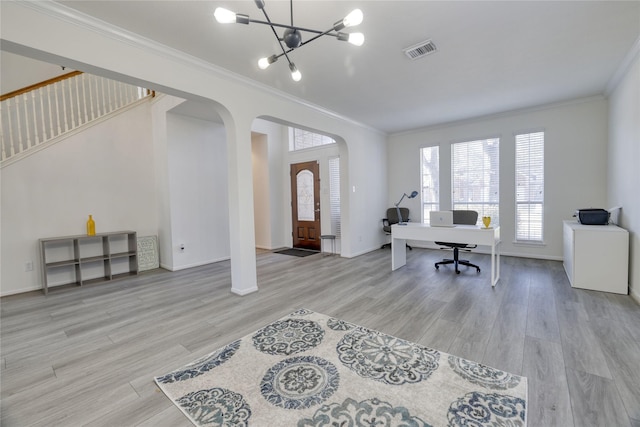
x,y
292,35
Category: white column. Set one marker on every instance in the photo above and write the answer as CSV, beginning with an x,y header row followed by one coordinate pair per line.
x,y
241,223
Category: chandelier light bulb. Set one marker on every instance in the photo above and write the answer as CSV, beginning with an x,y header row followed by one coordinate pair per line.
x,y
295,74
354,18
356,39
263,63
224,16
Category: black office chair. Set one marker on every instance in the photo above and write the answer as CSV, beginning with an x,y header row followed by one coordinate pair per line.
x,y
466,218
392,218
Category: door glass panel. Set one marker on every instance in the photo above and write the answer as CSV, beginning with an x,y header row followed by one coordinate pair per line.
x,y
304,181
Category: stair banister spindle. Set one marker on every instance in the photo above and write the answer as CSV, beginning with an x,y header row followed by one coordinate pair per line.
x,y
109,95
93,112
84,97
19,125
12,146
65,115
42,115
71,107
120,95
57,102
34,121
27,124
2,137
104,96
51,131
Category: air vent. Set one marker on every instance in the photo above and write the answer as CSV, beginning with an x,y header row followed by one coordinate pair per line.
x,y
420,50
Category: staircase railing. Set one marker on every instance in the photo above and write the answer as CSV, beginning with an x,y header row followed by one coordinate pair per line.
x,y
36,115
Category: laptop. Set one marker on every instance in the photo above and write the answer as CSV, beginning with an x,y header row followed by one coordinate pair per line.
x,y
441,219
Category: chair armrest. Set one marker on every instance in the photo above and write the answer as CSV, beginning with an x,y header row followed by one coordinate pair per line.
x,y
385,222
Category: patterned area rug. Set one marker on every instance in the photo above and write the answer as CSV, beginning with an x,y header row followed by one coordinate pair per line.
x,y
308,369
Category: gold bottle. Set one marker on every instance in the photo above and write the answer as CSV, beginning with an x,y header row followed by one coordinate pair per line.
x,y
91,226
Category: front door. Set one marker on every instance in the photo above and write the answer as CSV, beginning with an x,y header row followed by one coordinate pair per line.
x,y
305,205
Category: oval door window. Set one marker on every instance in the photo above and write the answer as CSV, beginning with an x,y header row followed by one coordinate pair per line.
x,y
304,181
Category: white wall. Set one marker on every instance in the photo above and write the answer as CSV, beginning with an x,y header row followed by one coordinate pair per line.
x,y
19,72
575,165
624,161
197,169
106,171
120,55
261,190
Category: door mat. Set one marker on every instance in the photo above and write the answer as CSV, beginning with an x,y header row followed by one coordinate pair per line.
x,y
297,252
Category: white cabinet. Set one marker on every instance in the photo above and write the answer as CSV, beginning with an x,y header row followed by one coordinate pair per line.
x,y
596,257
84,259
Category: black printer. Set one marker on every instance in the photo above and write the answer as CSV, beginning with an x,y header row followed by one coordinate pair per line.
x,y
593,216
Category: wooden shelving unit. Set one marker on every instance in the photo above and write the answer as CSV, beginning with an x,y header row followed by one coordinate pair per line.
x,y
80,260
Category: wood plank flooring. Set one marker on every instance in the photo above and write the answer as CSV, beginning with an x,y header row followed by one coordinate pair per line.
x,y
87,356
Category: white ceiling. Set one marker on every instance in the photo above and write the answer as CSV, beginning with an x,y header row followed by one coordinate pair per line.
x,y
493,56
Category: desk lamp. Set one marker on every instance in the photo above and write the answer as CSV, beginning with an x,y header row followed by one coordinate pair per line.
x,y
410,196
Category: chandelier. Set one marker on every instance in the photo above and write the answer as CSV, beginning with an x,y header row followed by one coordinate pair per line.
x,y
292,36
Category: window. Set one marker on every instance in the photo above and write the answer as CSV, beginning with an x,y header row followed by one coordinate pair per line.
x,y
529,186
476,178
301,139
430,171
334,195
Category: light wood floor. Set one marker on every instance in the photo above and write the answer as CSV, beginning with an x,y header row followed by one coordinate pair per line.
x,y
87,356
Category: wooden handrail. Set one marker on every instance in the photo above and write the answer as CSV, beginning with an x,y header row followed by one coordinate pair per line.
x,y
39,85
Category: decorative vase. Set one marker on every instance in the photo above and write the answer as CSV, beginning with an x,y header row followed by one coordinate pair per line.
x,y
91,226
486,220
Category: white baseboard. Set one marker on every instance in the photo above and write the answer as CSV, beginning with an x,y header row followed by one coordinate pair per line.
x,y
196,264
243,292
635,295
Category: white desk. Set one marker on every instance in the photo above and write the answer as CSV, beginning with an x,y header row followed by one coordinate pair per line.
x,y
470,234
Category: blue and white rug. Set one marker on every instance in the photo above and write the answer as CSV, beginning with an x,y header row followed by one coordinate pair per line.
x,y
308,369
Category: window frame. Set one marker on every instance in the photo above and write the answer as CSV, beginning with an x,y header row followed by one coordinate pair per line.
x,y
428,206
483,207
541,203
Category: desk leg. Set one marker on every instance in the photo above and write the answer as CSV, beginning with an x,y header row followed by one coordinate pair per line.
x,y
498,261
398,253
495,263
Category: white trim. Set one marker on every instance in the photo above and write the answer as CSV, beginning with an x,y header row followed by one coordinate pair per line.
x,y
504,114
244,292
623,68
195,264
74,17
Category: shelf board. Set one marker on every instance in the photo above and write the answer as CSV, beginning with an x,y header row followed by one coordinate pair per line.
x,y
62,263
93,259
95,280
123,254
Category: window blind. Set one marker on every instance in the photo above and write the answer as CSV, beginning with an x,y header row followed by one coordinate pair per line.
x,y
430,171
530,186
476,177
334,194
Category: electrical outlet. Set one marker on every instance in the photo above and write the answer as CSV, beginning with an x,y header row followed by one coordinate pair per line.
x,y
28,266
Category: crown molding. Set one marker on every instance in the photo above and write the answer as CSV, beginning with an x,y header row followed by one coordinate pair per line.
x,y
88,22
623,68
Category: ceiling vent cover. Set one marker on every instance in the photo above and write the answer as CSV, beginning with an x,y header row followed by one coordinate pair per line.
x,y
421,49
